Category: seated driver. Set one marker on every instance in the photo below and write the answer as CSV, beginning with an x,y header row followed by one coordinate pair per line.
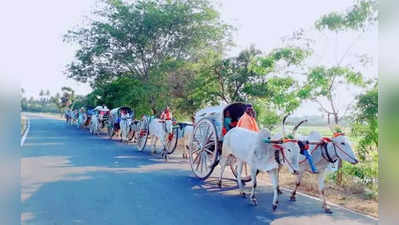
x,y
248,119
166,114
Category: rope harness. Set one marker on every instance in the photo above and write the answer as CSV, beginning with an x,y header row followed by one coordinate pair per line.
x,y
279,148
324,151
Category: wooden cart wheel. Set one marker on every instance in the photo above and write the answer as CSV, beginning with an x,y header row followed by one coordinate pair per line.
x,y
204,149
142,135
246,171
171,143
131,134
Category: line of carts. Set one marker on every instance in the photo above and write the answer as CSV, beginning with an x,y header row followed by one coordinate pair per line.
x,y
205,145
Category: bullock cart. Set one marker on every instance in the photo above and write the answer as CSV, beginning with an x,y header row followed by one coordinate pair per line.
x,y
116,119
143,133
207,140
102,116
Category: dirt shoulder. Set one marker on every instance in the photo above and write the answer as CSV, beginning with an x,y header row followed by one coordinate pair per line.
x,y
352,196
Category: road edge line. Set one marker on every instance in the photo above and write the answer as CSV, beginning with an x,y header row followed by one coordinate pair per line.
x,y
25,133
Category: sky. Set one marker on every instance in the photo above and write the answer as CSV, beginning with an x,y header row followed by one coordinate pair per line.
x,y
33,49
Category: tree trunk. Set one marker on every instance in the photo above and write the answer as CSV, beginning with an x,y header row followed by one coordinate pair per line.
x,y
339,172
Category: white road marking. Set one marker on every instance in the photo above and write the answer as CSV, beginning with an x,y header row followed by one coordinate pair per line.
x,y
25,133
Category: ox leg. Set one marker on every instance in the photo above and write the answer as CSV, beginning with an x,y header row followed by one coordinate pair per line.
x,y
223,162
298,182
239,171
154,143
322,177
278,178
185,150
274,177
254,184
164,153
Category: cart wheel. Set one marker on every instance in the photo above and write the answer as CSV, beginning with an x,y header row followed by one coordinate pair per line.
x,y
246,171
130,135
204,148
142,135
172,141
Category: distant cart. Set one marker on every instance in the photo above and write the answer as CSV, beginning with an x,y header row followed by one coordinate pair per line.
x,y
143,132
102,115
207,140
113,123
89,112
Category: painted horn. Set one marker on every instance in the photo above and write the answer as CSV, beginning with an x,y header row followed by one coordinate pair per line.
x,y
297,126
283,125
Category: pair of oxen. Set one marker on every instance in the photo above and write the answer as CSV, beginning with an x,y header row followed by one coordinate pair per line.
x,y
264,152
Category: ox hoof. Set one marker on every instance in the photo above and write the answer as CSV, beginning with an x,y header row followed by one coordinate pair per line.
x,y
253,201
279,191
243,195
327,211
274,207
293,198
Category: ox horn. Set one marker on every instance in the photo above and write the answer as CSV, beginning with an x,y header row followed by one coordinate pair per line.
x,y
297,126
283,124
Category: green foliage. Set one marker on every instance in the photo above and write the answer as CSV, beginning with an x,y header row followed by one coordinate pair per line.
x,y
365,173
134,39
153,46
361,15
267,117
365,125
45,103
322,81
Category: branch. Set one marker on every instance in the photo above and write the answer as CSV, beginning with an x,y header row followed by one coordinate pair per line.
x,y
321,106
348,49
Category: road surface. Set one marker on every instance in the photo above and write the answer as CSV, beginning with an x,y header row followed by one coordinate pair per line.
x,y
70,177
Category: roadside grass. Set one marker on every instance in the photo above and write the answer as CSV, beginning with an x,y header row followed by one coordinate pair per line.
x,y
352,194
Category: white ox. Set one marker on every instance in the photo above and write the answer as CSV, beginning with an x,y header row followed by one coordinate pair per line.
x,y
187,135
94,124
82,119
250,147
159,129
68,116
324,151
125,126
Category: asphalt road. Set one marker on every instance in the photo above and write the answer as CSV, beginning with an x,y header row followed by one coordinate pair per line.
x,y
71,177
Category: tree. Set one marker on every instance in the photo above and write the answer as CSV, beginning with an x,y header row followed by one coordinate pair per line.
x,y
68,97
323,84
252,77
24,101
137,39
226,79
365,125
56,100
322,81
363,14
